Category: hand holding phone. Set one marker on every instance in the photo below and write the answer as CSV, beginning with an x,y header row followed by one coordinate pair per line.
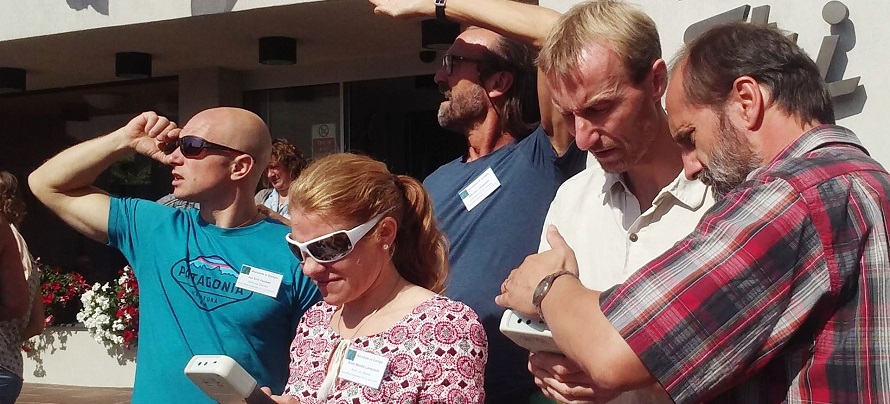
x,y
528,333
224,380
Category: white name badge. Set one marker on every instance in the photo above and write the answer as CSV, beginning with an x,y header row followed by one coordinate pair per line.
x,y
259,280
363,368
479,189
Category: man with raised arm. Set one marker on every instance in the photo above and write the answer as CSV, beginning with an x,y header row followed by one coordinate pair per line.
x,y
204,286
491,202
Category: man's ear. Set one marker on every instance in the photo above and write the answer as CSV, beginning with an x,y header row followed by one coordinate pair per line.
x,y
659,76
241,166
747,102
499,83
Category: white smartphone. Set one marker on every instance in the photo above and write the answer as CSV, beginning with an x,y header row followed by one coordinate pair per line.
x,y
528,333
224,380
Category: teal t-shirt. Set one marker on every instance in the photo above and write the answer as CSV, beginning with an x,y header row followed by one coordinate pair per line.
x,y
189,304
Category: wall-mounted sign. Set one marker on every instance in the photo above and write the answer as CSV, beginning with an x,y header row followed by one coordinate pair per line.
x,y
324,140
834,12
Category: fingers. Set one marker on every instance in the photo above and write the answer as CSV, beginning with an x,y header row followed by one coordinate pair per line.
x,y
567,392
569,398
381,8
161,127
378,6
266,390
560,379
501,300
559,245
156,126
558,367
555,239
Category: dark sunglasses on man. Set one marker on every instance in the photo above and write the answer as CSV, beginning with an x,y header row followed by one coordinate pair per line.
x,y
448,62
192,146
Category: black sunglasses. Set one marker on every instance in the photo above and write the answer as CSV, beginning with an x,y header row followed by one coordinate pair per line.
x,y
192,146
449,59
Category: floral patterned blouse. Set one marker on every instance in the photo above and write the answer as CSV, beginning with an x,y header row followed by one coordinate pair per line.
x,y
437,354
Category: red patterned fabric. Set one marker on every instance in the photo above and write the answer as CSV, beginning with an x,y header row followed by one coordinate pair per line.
x,y
437,353
781,294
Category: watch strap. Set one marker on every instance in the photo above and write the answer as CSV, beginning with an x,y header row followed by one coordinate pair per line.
x,y
544,288
440,10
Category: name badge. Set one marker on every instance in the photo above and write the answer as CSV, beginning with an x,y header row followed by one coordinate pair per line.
x,y
259,280
363,368
479,189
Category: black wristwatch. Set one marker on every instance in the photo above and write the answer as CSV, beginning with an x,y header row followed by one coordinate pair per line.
x,y
543,288
440,10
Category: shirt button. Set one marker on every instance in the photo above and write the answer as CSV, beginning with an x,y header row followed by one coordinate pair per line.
x,y
633,237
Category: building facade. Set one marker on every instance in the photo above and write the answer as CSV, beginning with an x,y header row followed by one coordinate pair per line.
x,y
358,82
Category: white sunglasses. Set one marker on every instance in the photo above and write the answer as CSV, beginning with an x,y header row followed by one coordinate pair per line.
x,y
333,246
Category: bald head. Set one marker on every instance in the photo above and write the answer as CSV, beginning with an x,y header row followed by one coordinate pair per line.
x,y
237,128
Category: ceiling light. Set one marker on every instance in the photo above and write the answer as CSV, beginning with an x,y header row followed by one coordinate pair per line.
x,y
438,35
12,80
132,65
278,50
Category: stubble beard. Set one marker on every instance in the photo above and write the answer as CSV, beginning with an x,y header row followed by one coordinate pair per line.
x,y
731,161
462,110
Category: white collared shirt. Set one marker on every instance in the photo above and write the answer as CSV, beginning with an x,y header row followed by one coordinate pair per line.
x,y
601,220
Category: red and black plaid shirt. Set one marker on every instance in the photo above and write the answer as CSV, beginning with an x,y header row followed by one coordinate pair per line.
x,y
781,293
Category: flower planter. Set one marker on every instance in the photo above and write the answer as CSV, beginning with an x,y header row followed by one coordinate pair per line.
x,y
68,355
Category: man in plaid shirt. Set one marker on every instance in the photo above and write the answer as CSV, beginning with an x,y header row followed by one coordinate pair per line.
x,y
781,292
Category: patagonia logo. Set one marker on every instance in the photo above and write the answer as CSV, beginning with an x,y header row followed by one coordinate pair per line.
x,y
209,281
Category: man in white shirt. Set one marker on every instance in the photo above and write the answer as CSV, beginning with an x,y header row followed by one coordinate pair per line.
x,y
603,63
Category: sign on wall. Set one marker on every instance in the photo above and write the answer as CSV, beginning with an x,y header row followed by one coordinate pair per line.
x,y
324,140
834,13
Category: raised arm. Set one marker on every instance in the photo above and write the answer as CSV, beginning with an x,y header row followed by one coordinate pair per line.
x,y
526,23
65,182
13,287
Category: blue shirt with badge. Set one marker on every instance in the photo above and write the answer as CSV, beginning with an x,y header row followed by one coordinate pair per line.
x,y
187,271
492,211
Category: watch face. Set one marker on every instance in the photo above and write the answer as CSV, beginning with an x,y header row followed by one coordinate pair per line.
x,y
542,287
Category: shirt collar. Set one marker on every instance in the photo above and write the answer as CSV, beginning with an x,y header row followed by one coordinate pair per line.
x,y
813,139
613,183
691,193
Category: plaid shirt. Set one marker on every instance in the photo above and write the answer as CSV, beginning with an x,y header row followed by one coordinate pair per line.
x,y
781,293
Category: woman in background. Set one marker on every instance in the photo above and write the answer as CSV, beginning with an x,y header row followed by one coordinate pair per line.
x,y
15,330
368,239
284,167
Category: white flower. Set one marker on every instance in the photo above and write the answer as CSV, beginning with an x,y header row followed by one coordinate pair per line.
x,y
100,307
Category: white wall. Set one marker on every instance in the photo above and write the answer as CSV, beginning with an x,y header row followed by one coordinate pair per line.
x,y
70,356
866,31
29,18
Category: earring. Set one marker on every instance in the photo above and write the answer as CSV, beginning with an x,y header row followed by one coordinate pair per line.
x,y
386,246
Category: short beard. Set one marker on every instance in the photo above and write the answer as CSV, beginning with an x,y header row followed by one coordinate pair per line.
x,y
731,160
463,110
